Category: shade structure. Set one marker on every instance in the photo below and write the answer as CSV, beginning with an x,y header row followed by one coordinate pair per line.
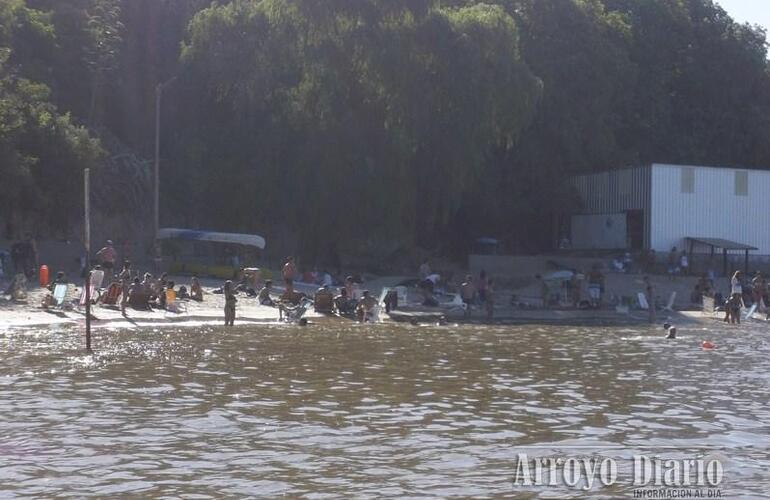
x,y
725,246
252,240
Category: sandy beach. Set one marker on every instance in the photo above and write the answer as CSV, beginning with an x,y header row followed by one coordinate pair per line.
x,y
30,314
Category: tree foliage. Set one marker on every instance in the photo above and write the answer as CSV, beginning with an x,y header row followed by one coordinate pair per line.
x,y
42,152
353,125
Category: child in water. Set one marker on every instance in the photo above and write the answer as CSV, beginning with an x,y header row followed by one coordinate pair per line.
x,y
230,301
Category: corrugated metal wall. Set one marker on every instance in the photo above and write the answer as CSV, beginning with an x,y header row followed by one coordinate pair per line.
x,y
617,191
712,209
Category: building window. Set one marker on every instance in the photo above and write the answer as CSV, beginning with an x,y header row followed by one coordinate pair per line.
x,y
688,180
741,183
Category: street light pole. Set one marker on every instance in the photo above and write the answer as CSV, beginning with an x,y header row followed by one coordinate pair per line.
x,y
156,195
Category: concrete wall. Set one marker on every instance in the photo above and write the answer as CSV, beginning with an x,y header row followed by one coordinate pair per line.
x,y
512,266
712,210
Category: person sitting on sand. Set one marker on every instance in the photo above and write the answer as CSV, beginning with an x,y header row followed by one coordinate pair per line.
x,y
160,284
323,301
59,280
148,285
289,296
196,291
162,296
169,294
342,303
350,287
137,296
365,306
264,297
230,301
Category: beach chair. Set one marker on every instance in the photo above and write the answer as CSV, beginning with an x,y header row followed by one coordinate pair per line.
x,y
60,294
292,314
642,301
111,296
97,277
323,302
710,306
455,303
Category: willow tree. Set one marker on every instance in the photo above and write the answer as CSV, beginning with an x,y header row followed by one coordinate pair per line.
x,y
365,124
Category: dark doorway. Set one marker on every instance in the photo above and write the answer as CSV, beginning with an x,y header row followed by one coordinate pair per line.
x,y
635,228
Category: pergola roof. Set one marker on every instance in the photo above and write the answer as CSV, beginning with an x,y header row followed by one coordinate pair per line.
x,y
723,244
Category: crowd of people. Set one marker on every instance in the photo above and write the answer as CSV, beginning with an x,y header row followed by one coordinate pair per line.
x,y
125,287
129,288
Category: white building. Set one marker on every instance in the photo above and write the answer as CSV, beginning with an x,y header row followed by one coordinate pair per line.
x,y
663,206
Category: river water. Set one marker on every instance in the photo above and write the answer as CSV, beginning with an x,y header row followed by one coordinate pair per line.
x,y
344,410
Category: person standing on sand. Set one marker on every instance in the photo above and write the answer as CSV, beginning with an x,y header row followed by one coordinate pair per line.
x,y
230,301
595,286
481,288
289,270
649,292
125,290
125,273
673,266
759,288
684,263
106,257
490,299
736,284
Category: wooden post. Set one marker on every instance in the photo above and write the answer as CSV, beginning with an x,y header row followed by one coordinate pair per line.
x,y
87,245
156,184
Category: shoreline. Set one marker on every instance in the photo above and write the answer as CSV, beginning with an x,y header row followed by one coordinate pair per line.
x,y
30,314
22,316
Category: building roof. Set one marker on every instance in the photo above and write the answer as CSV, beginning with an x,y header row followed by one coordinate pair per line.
x,y
685,165
720,243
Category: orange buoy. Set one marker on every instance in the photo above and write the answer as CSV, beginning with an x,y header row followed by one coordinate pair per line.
x,y
708,345
43,276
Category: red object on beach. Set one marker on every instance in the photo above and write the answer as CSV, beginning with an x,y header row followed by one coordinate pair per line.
x,y
43,276
708,345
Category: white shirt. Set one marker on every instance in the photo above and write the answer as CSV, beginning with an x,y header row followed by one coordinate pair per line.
x,y
736,286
